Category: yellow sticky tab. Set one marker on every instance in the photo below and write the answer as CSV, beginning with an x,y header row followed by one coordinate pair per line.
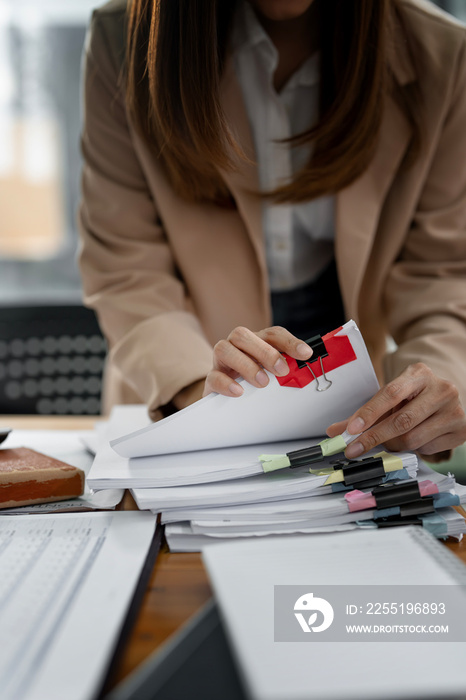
x,y
271,463
391,463
332,446
335,477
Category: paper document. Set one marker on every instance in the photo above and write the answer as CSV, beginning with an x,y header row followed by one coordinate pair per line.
x,y
181,537
65,584
245,574
183,468
274,413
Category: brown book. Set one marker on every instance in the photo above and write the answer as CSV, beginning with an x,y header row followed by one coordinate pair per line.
x,y
28,477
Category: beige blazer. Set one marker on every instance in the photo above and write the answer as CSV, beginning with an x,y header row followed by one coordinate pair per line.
x,y
169,278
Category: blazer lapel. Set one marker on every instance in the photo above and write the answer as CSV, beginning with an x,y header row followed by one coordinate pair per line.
x,y
358,207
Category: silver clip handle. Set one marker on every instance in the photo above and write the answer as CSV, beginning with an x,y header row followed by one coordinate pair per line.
x,y
319,385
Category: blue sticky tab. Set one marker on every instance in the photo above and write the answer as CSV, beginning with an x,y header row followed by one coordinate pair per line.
x,y
435,524
442,500
401,474
339,487
386,512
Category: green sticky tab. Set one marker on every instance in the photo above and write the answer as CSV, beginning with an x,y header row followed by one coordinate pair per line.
x,y
332,446
271,463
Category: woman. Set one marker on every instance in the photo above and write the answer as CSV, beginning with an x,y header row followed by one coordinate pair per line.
x,y
354,113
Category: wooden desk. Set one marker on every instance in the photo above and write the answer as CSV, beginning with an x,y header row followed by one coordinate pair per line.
x,y
178,586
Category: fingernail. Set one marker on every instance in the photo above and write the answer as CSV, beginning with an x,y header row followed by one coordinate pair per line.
x,y
356,426
280,367
262,378
354,450
303,351
235,389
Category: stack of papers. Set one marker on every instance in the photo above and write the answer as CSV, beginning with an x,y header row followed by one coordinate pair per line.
x,y
191,529
200,468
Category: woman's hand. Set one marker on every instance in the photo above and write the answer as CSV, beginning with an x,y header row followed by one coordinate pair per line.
x,y
417,411
246,354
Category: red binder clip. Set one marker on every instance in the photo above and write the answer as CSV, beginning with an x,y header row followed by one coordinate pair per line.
x,y
328,352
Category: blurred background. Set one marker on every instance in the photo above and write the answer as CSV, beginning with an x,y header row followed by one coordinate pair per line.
x,y
41,46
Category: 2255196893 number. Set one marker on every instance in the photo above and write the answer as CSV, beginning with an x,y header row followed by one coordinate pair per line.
x,y
405,608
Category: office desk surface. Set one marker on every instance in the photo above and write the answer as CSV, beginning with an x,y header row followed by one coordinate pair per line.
x,y
178,585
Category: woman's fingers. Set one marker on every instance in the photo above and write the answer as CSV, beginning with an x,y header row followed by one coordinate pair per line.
x,y
284,341
247,354
266,347
337,428
221,383
234,362
416,411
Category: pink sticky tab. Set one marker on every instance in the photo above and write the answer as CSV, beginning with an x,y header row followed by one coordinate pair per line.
x,y
427,488
358,500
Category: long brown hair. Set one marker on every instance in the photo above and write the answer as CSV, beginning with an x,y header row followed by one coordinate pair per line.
x,y
175,57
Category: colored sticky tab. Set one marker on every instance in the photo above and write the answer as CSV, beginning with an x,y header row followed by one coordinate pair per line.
x,y
391,462
367,524
386,512
340,352
341,488
358,500
335,476
435,524
428,488
442,500
271,463
332,446
399,475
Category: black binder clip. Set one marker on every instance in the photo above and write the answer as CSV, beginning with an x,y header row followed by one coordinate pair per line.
x,y
305,457
404,495
396,521
362,471
394,494
318,352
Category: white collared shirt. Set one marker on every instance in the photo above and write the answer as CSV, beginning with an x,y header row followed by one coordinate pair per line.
x,y
298,238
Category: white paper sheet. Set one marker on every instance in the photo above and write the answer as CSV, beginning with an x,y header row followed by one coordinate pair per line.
x,y
65,584
271,414
181,538
275,486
